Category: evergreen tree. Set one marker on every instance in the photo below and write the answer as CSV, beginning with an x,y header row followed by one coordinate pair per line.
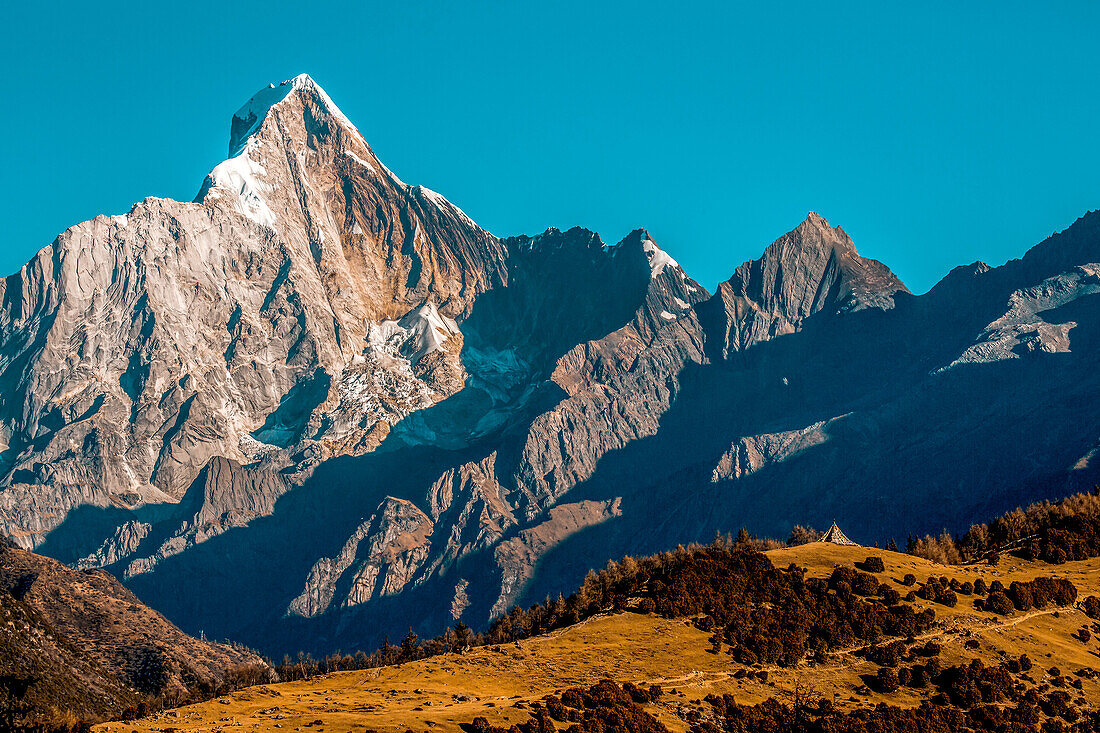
x,y
462,636
409,646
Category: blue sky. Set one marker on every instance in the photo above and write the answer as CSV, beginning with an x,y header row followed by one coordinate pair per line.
x,y
935,136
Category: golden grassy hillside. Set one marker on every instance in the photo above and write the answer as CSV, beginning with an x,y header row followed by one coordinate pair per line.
x,y
439,693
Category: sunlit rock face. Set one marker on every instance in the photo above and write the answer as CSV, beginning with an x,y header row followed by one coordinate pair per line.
x,y
297,309
317,405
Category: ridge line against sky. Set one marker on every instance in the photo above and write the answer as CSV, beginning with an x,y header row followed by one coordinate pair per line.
x,y
935,137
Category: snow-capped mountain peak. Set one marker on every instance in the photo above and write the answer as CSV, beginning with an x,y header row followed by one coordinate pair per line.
x,y
658,258
290,138
250,117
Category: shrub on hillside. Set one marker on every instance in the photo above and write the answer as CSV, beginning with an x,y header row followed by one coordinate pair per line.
x,y
803,535
886,655
936,590
1039,593
931,716
997,602
873,564
603,708
974,683
886,680
1053,532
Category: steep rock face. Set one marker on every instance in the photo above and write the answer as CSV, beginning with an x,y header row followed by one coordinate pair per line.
x,y
283,303
473,506
225,495
813,268
518,556
379,559
123,543
617,386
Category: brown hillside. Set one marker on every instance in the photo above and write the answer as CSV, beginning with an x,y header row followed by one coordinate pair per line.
x,y
501,682
80,641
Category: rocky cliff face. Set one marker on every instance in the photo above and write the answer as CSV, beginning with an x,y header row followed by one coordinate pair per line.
x,y
811,269
295,311
317,404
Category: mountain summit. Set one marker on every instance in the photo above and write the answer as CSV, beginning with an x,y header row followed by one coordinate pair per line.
x,y
254,113
812,268
316,404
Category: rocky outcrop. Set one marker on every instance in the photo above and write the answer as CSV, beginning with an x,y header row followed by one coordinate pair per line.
x,y
517,557
472,507
119,546
379,559
754,452
225,495
813,268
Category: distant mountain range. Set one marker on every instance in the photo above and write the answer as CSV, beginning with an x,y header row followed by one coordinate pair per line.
x,y
318,405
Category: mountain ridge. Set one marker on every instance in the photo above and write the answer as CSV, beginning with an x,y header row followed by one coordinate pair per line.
x,y
431,422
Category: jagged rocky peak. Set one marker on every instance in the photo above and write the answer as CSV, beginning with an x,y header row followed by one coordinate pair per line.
x,y
299,166
814,267
657,258
161,339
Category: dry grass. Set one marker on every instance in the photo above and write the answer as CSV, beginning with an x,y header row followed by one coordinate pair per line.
x,y
439,693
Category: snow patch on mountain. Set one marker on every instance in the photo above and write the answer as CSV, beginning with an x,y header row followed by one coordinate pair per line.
x,y
379,392
658,258
420,332
360,161
254,112
238,180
